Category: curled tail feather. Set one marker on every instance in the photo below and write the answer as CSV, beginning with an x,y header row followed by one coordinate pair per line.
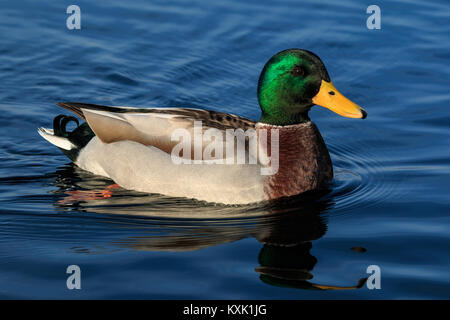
x,y
70,142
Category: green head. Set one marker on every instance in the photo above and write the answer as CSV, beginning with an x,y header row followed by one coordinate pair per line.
x,y
291,82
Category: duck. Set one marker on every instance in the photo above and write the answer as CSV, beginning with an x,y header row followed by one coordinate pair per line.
x,y
134,147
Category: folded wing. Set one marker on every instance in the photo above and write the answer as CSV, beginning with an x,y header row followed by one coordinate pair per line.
x,y
153,127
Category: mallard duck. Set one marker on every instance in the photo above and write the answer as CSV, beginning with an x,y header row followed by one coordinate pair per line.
x,y
134,146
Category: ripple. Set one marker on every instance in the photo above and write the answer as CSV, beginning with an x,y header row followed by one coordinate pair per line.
x,y
121,79
360,180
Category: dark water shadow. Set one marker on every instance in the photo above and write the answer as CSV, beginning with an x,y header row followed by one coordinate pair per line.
x,y
286,228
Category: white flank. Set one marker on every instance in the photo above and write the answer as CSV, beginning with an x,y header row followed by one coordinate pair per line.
x,y
148,169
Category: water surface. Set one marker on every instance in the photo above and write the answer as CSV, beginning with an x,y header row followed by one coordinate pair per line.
x,y
389,199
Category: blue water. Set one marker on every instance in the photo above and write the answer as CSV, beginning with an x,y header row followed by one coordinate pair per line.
x,y
389,199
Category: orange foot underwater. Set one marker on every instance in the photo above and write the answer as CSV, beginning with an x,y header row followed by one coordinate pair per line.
x,y
85,195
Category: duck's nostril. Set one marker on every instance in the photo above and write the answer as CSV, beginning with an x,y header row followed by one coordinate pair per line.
x,y
331,93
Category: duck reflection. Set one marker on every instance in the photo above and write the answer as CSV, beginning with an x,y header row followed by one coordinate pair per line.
x,y
285,228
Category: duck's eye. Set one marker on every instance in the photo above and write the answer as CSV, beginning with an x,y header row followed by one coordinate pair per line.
x,y
298,71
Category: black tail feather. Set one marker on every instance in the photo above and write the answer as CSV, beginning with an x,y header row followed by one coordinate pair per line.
x,y
79,137
73,108
76,107
60,124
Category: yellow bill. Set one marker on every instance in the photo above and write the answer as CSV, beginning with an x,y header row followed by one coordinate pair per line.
x,y
330,98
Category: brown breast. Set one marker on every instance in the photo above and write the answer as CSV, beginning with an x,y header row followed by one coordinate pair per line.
x,y
304,161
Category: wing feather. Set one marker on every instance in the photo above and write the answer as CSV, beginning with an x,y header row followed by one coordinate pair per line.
x,y
153,127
